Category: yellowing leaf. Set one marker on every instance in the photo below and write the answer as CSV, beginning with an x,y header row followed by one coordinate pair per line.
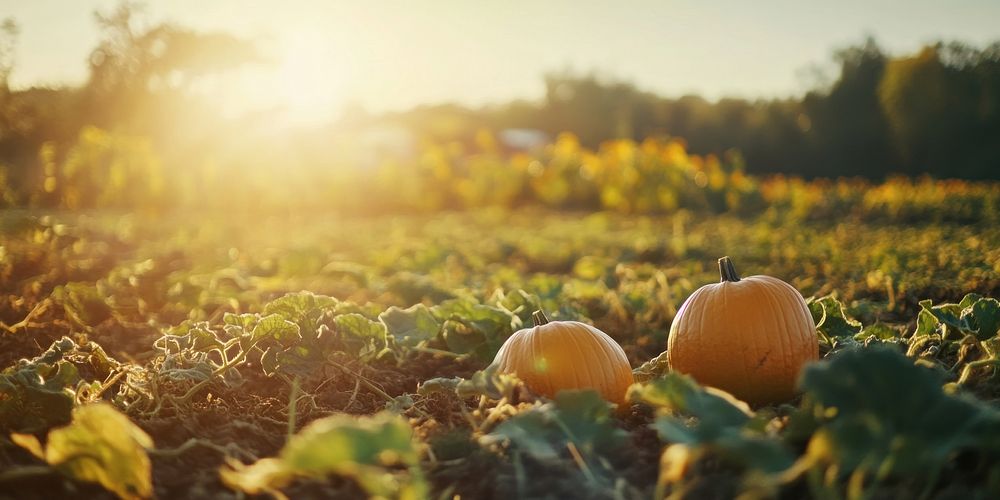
x,y
101,446
29,442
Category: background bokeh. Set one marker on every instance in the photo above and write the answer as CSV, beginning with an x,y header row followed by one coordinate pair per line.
x,y
164,115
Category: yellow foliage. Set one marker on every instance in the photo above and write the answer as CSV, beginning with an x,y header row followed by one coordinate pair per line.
x,y
105,169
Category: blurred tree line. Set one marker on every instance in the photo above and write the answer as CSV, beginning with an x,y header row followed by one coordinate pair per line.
x,y
935,112
140,86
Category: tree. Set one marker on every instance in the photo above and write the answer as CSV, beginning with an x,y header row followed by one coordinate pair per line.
x,y
137,74
847,129
594,109
943,109
9,30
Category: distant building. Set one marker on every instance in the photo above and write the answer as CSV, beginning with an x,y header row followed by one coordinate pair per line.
x,y
522,139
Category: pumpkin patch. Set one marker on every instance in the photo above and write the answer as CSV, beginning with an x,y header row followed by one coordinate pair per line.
x,y
399,366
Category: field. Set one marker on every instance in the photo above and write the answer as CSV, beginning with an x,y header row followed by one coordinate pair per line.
x,y
346,355
320,250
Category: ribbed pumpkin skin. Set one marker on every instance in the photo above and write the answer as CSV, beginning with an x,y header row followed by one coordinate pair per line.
x,y
566,355
749,337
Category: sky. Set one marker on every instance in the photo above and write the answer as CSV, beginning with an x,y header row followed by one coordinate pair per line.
x,y
392,55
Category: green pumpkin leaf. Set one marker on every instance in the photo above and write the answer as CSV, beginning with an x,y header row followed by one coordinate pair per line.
x,y
886,416
530,432
582,418
927,323
368,310
879,331
721,422
302,308
984,318
367,449
947,316
519,302
680,393
301,360
39,393
969,300
191,337
469,327
415,288
410,327
275,327
361,336
831,321
243,321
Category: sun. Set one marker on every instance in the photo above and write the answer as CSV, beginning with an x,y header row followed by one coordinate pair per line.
x,y
302,82
309,79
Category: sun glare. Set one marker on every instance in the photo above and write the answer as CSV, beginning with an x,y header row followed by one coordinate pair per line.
x,y
303,82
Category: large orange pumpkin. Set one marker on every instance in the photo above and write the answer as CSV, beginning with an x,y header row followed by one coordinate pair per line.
x,y
557,355
749,337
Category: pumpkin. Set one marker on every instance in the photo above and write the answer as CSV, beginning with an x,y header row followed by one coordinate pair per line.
x,y
558,355
749,337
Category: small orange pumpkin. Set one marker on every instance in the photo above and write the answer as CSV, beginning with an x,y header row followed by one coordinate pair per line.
x,y
557,355
749,337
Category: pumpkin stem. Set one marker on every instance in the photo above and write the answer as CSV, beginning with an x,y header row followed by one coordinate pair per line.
x,y
727,270
539,318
